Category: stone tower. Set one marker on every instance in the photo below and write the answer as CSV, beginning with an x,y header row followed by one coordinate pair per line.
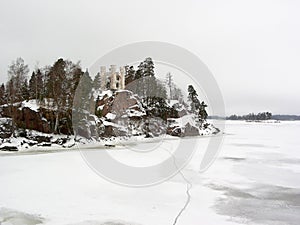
x,y
122,77
103,77
113,79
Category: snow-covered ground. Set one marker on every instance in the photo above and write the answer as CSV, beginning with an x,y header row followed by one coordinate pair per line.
x,y
255,180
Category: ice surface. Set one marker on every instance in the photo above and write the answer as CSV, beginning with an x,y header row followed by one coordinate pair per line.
x,y
255,180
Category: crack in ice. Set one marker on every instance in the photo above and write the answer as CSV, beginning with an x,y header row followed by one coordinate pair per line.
x,y
188,188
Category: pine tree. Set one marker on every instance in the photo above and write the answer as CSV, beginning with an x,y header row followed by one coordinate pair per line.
x,y
148,67
130,74
2,94
196,107
138,86
193,98
56,89
202,114
39,85
97,82
83,92
33,86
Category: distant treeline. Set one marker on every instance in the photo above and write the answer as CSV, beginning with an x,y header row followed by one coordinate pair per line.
x,y
259,116
252,116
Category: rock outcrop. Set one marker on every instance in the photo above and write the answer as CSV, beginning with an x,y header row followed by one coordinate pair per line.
x,y
40,119
114,114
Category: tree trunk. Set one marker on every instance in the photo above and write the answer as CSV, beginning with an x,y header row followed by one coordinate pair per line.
x,y
56,123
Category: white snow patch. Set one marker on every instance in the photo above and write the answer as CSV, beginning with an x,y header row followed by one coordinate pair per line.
x,y
32,104
110,116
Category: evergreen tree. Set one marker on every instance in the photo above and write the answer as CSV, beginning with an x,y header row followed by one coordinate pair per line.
x,y
140,71
148,68
196,107
33,86
138,85
39,85
83,92
202,114
56,89
97,82
2,94
129,74
193,98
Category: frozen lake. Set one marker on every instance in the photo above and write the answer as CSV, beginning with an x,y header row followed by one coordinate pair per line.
x,y
255,180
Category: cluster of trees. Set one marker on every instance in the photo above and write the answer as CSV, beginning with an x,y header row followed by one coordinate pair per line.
x,y
155,93
55,87
152,91
251,116
143,82
197,107
17,86
57,82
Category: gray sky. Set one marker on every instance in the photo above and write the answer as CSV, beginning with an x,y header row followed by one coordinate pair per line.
x,y
251,47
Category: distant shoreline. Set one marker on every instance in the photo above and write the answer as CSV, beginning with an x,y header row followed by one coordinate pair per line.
x,y
281,117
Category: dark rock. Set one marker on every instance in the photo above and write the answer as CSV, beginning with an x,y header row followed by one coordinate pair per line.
x,y
31,143
149,135
9,148
60,141
112,131
26,118
6,128
190,130
42,120
216,131
84,131
41,139
45,144
110,146
119,103
177,132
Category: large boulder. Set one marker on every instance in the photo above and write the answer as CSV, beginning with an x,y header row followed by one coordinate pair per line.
x,y
121,114
25,117
37,118
6,128
122,104
190,130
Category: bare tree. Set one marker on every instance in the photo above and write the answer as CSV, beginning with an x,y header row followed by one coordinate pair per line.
x,y
169,82
17,73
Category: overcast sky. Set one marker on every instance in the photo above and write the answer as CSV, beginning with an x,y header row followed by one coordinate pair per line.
x,y
251,47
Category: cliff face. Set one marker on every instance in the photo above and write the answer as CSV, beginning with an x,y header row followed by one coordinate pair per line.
x,y
25,117
121,104
120,114
29,115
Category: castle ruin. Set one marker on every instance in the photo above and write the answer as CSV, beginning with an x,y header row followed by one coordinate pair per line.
x,y
112,79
